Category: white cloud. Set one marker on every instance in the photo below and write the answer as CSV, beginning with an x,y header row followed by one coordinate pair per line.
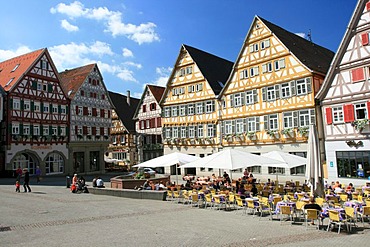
x,y
143,33
132,64
7,54
127,53
303,35
68,26
163,75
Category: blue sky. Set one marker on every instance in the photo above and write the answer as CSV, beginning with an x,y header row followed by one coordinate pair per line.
x,y
136,42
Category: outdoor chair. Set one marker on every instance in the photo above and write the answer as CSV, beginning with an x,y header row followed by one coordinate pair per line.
x,y
208,200
194,199
300,209
241,205
367,201
364,214
343,197
312,215
287,211
335,219
351,216
275,201
265,207
218,202
231,200
251,207
319,201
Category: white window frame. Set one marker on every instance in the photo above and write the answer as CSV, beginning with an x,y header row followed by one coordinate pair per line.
x,y
16,104
26,105
89,111
285,90
209,106
200,131
360,107
80,111
199,87
199,108
191,109
288,120
191,131
63,109
36,107
55,108
15,129
270,93
36,130
238,100
168,132
183,132
182,110
62,131
46,108
175,132
301,86
174,111
54,130
45,130
251,126
210,130
239,126
279,64
273,122
228,127
338,116
167,112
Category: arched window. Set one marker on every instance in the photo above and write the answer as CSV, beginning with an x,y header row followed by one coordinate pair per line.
x,y
54,163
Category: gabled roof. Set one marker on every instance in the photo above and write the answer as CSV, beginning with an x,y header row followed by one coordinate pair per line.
x,y
215,70
9,69
157,91
342,48
125,111
315,57
72,79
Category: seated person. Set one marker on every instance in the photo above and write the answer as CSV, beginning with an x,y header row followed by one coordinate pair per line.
x,y
313,205
94,182
100,183
254,190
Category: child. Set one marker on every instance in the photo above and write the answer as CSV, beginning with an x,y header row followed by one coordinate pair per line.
x,y
17,186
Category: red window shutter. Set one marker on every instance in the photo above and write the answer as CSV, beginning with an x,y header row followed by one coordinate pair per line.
x,y
365,38
101,131
76,129
368,109
108,113
85,111
329,115
82,92
144,124
76,110
368,6
102,113
349,114
159,122
94,113
84,129
358,74
93,130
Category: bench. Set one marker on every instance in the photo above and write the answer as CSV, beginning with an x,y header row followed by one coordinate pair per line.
x,y
130,193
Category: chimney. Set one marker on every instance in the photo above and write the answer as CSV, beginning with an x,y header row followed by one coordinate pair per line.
x,y
128,97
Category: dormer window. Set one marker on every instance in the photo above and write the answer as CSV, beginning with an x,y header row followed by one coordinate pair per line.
x,y
10,81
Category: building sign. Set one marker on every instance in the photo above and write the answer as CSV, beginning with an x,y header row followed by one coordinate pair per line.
x,y
40,147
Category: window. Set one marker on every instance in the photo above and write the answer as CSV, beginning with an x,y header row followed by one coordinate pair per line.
x,y
174,111
265,44
270,93
27,105
238,99
228,127
10,81
182,110
168,133
360,111
285,90
54,130
16,104
122,139
252,124
243,74
239,126
191,89
147,123
183,132
279,64
62,131
338,114
36,106
223,103
175,132
44,64
267,67
55,109
254,71
46,108
15,67
97,133
255,47
273,123
189,70
89,111
153,106
191,131
303,86
199,109
175,91
210,106
167,112
251,97
353,164
290,120
200,131
80,111
144,108
45,130
15,129
210,130
182,72
181,90
199,87
190,109
276,170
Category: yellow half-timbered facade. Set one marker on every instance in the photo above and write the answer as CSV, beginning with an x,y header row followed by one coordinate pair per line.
x,y
269,99
189,103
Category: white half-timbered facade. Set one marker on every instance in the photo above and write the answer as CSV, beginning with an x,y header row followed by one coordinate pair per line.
x,y
90,118
269,99
189,103
148,124
345,100
36,115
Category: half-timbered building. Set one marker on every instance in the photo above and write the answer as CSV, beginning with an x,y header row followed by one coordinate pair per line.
x,y
90,118
36,115
268,101
345,103
148,124
122,145
189,103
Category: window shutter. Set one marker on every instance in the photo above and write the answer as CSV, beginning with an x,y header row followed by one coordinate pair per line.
x,y
84,130
368,6
358,74
255,96
329,115
34,85
85,111
76,129
264,68
265,122
251,48
309,85
241,75
41,107
93,131
50,130
295,119
50,88
245,125
243,98
51,108
349,114
365,38
76,109
108,113
222,128
368,109
22,105
102,113
101,131
263,94
21,129
214,130
32,106
258,124
41,130
233,126
312,116
232,100
31,130
292,88
277,91
67,131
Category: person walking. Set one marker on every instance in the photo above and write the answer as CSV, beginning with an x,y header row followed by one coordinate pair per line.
x,y
26,183
38,174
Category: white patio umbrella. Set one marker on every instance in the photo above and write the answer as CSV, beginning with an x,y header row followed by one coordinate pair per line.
x,y
166,160
232,159
313,166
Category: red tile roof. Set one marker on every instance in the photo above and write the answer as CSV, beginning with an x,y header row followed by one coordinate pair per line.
x,y
157,91
24,63
72,79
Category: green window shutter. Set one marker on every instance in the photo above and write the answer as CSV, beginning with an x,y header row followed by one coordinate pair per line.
x,y
59,130
21,129
50,130
59,109
31,130
11,104
50,88
32,106
51,108
41,130
10,128
41,107
22,105
67,131
67,110
34,85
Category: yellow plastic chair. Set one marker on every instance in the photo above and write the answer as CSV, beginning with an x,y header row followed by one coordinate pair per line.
x,y
287,211
251,207
351,216
334,219
169,195
299,208
194,200
320,201
208,200
367,201
265,207
343,197
364,214
241,205
276,200
312,215
218,203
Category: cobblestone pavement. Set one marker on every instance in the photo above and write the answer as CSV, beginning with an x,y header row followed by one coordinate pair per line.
x,y
52,216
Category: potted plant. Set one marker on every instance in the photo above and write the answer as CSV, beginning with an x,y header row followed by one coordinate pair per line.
x,y
286,131
251,134
360,124
271,133
303,130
